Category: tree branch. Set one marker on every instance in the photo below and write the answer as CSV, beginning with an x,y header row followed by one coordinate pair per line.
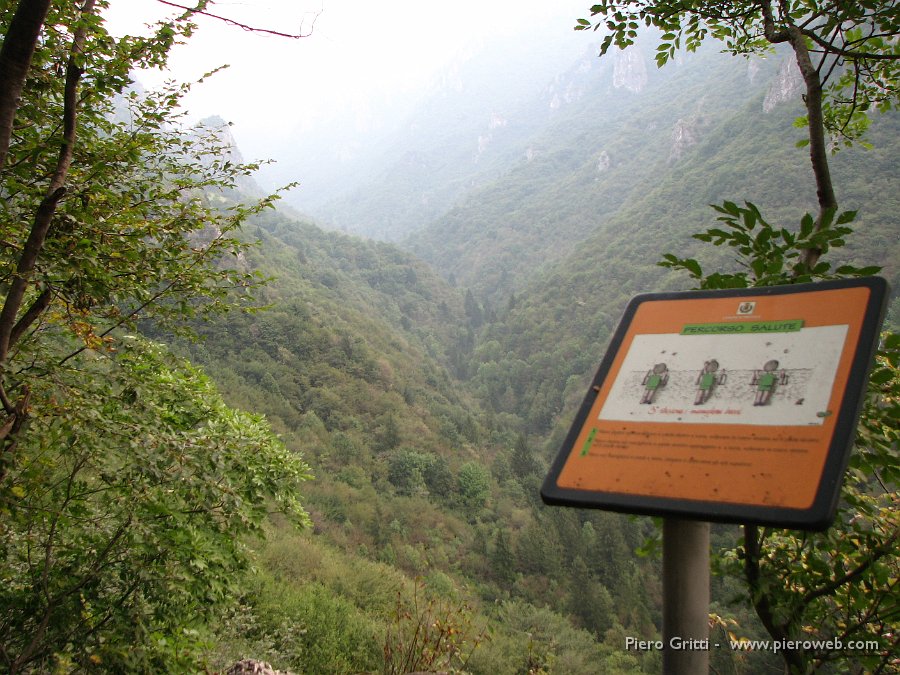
x,y
832,48
27,260
818,150
231,22
888,659
886,548
760,600
772,35
55,190
41,303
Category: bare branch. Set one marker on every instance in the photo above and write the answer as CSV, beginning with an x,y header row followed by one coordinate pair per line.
x,y
244,26
856,55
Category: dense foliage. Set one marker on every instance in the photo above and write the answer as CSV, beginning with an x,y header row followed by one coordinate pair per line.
x,y
836,588
846,53
379,372
127,487
124,513
353,365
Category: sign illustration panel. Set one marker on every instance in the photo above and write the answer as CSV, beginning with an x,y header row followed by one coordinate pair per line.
x,y
741,379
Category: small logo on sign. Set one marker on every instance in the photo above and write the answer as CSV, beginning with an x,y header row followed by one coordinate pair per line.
x,y
746,308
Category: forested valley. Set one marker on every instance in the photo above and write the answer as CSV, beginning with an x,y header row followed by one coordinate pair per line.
x,y
235,430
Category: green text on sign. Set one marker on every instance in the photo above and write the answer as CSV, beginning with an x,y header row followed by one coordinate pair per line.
x,y
743,327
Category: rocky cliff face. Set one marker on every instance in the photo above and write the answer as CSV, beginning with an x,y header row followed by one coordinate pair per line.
x,y
787,85
752,70
497,121
622,69
218,131
570,86
604,161
630,69
685,135
689,131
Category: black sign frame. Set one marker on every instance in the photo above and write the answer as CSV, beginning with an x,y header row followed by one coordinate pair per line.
x,y
821,513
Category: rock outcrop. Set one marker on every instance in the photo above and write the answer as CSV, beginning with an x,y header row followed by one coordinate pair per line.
x,y
787,85
254,667
629,69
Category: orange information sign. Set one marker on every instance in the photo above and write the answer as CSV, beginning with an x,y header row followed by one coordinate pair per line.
x,y
726,405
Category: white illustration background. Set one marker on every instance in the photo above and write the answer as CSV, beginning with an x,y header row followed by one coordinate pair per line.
x,y
809,358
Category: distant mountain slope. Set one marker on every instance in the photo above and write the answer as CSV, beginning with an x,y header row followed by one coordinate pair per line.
x,y
623,126
350,365
582,187
459,135
650,158
378,317
428,412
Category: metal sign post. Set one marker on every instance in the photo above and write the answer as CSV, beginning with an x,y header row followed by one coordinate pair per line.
x,y
685,597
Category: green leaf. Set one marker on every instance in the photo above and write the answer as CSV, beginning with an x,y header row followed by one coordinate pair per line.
x,y
731,208
806,226
846,217
693,267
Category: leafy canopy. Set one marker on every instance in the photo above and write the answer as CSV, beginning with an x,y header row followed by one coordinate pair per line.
x,y
122,525
127,487
852,45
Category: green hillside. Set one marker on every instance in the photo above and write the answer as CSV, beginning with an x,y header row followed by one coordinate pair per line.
x,y
611,168
555,323
353,366
465,132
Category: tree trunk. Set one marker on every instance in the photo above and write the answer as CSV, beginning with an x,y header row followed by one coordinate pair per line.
x,y
818,150
55,191
794,659
15,60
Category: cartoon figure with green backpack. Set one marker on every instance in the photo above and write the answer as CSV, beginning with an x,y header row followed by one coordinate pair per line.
x,y
707,380
766,380
653,381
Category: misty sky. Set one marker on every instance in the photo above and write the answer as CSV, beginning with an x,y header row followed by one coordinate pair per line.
x,y
277,88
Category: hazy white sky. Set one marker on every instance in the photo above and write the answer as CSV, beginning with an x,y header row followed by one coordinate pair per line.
x,y
276,87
